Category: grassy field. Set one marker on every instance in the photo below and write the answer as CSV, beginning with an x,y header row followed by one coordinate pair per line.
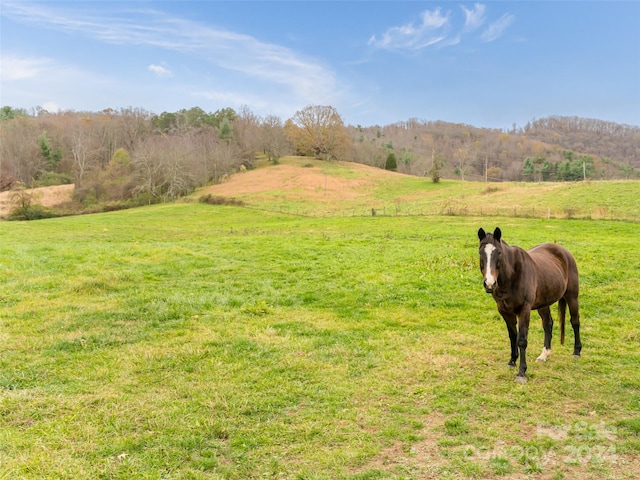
x,y
192,341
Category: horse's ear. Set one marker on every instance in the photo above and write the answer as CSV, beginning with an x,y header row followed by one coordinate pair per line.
x,y
481,234
497,234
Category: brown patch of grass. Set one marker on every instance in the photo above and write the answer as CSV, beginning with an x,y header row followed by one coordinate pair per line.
x,y
301,180
421,459
45,196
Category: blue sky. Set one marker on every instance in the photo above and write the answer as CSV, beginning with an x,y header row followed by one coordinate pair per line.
x,y
488,64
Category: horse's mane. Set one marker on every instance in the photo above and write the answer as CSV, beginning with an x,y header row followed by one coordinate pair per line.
x,y
508,267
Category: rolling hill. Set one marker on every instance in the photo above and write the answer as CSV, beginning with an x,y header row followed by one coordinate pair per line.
x,y
316,188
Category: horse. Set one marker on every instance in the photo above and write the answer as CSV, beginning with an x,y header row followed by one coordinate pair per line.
x,y
521,281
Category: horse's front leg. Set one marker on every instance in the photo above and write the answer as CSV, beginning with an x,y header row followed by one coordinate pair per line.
x,y
523,331
512,327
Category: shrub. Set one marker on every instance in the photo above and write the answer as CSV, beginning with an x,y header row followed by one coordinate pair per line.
x,y
48,179
494,174
31,212
220,200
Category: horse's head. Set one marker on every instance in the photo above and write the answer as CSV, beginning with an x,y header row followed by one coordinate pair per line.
x,y
490,257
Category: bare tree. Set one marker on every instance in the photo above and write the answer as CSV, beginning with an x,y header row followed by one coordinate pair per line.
x,y
462,157
134,125
19,158
85,153
147,169
272,139
246,128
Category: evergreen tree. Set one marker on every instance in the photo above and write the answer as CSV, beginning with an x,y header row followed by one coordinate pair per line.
x,y
391,163
225,130
528,170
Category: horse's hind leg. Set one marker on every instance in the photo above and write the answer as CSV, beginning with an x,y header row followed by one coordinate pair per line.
x,y
574,310
547,325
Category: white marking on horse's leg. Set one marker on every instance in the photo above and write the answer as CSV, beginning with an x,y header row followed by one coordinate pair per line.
x,y
488,277
546,353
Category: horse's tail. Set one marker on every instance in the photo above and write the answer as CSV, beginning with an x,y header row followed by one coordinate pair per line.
x,y
562,308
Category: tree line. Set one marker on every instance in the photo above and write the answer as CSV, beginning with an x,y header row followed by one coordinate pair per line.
x,y
128,154
133,155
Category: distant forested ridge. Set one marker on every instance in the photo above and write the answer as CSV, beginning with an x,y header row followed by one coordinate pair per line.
x,y
550,149
597,137
134,155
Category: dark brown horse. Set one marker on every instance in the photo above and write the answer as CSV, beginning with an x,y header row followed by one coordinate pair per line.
x,y
521,281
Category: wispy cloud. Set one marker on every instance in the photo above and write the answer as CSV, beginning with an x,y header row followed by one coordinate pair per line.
x,y
303,77
497,28
16,68
473,18
436,28
160,71
430,30
54,85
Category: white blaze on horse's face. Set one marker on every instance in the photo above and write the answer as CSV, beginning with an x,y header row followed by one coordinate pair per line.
x,y
489,279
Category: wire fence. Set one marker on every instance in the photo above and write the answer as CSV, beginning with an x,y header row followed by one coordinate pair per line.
x,y
457,209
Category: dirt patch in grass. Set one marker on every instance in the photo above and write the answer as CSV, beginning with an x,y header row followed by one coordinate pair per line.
x,y
45,196
422,459
427,459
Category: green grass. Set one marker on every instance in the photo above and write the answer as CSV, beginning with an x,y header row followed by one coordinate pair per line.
x,y
197,341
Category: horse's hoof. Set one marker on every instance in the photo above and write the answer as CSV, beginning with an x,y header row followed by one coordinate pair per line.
x,y
576,355
520,379
546,353
511,364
